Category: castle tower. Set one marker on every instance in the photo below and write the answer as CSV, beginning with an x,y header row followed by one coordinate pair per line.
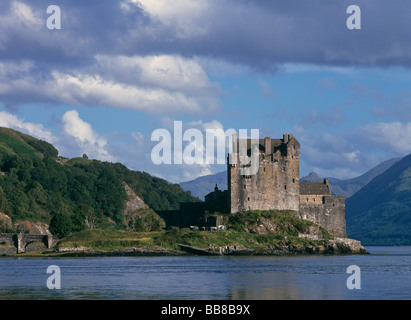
x,y
276,183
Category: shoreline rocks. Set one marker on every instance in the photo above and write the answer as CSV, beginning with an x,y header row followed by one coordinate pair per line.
x,y
338,246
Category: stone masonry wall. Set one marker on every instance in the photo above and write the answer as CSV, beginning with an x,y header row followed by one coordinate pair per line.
x,y
328,213
275,186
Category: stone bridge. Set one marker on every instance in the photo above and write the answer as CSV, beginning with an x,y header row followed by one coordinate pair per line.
x,y
21,240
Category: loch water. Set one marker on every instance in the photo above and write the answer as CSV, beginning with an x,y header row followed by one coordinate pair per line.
x,y
385,274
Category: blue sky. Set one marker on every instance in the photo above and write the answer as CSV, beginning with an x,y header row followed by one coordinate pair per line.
x,y
118,70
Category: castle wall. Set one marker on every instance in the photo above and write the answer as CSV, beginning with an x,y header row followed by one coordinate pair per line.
x,y
275,186
327,211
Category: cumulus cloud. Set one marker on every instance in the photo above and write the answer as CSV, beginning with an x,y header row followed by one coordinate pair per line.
x,y
153,84
37,130
151,55
86,139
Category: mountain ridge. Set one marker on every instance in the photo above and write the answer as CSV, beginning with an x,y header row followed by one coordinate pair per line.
x,y
380,212
203,185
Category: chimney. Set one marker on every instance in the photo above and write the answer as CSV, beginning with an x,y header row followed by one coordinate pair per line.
x,y
326,182
285,138
267,145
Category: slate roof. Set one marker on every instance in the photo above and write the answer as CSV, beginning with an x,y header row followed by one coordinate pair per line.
x,y
314,188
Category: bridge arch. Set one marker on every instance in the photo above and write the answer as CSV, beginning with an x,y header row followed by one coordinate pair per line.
x,y
21,240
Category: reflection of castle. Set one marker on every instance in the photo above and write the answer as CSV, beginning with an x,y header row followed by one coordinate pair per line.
x,y
275,186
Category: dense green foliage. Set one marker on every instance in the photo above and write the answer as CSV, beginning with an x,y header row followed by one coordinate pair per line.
x,y
146,220
35,186
61,225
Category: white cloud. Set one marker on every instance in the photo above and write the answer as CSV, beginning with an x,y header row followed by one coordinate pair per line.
x,y
153,84
34,129
392,136
89,141
171,72
21,14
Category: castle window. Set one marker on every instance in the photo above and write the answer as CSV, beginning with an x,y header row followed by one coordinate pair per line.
x,y
285,187
293,180
248,199
307,199
264,169
313,199
245,187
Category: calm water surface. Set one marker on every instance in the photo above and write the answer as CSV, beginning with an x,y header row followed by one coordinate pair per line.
x,y
385,274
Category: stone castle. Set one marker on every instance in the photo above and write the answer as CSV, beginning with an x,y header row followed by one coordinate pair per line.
x,y
277,186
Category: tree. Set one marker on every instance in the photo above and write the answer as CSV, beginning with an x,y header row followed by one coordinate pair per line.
x,y
60,225
83,218
147,220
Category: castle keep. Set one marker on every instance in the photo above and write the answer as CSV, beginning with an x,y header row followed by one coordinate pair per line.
x,y
276,185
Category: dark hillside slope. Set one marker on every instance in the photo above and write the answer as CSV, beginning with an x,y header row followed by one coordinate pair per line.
x,y
380,212
35,186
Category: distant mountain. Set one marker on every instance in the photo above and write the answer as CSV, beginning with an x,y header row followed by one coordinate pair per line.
x,y
380,212
312,177
204,185
348,187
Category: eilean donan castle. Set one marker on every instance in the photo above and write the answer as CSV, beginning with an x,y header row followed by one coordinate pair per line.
x,y
276,185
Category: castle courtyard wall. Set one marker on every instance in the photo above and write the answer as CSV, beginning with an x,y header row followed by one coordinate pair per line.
x,y
327,211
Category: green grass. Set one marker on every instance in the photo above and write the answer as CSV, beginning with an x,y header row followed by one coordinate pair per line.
x,y
107,239
12,144
77,161
112,240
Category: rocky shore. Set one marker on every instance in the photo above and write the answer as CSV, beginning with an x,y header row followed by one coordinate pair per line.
x,y
337,246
